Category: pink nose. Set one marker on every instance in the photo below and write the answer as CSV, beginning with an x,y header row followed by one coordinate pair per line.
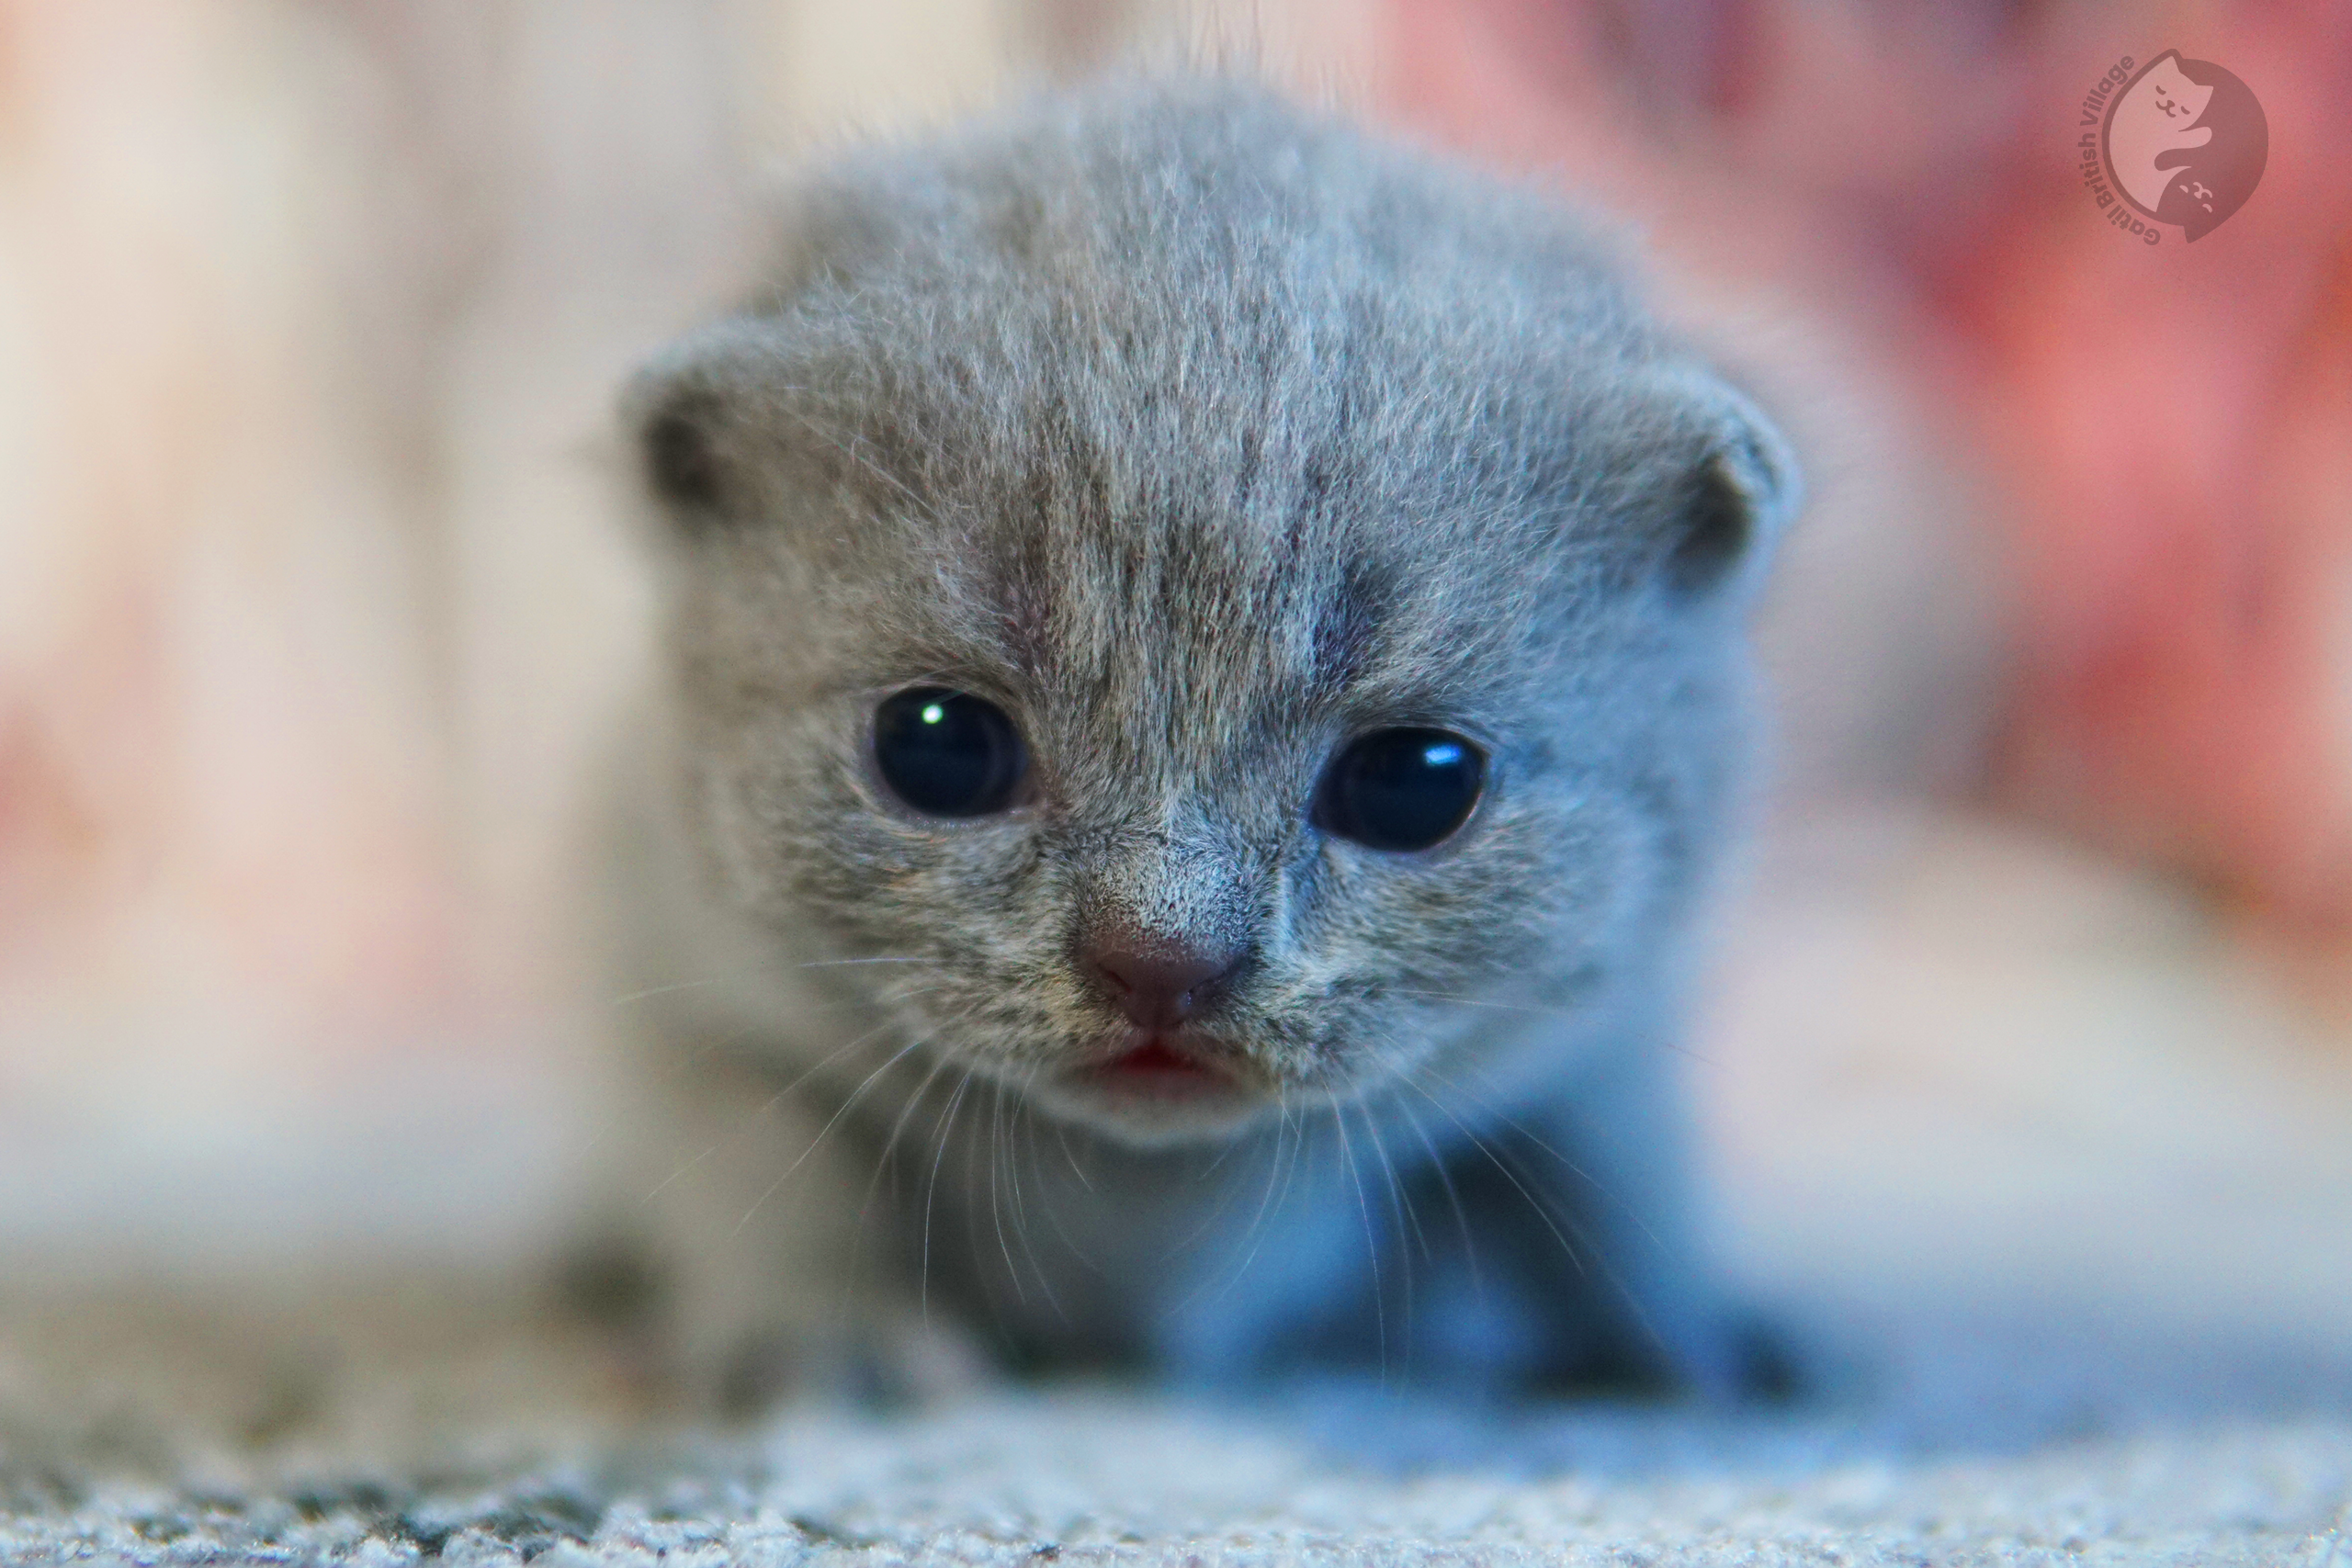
x,y
1160,987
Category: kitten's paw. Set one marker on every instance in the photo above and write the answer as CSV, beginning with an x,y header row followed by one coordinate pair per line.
x,y
893,1360
1770,1367
718,1345
1730,1356
608,1280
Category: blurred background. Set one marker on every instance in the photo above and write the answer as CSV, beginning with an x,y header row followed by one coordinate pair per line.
x,y
317,605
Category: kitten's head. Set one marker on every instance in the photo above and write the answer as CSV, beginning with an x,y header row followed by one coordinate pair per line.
x,y
1223,595
2164,90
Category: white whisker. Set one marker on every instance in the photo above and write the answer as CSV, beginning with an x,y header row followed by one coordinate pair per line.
x,y
828,1127
1371,1243
1452,1198
930,1193
1572,1168
675,987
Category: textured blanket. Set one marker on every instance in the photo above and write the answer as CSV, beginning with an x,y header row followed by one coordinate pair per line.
x,y
426,1422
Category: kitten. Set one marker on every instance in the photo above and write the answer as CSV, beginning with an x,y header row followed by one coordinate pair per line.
x,y
2154,127
1205,679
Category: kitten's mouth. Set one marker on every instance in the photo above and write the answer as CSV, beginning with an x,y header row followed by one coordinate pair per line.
x,y
1158,1066
1159,1087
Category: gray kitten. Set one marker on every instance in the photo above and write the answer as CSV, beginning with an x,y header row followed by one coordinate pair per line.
x,y
1205,679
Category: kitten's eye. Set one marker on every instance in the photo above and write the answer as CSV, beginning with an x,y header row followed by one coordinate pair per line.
x,y
948,753
1401,789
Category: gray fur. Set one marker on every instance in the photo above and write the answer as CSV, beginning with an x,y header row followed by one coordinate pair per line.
x,y
1198,434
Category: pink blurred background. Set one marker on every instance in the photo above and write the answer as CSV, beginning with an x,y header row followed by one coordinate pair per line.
x,y
315,607
2167,435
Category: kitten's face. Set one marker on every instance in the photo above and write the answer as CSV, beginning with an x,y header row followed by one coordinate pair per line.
x,y
2172,94
1203,721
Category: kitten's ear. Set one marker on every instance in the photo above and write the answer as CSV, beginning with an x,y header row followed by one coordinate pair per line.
x,y
1737,493
699,419
711,421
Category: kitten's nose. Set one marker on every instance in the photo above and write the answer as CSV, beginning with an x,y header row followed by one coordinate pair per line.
x,y
1161,985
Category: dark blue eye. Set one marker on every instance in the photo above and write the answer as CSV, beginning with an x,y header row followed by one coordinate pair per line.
x,y
948,753
1402,789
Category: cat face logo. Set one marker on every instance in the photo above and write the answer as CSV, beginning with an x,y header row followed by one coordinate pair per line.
x,y
2185,143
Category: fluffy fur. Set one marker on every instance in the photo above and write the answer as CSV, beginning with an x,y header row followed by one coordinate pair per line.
x,y
1199,434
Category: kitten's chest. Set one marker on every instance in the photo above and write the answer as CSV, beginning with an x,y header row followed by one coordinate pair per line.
x,y
1069,1252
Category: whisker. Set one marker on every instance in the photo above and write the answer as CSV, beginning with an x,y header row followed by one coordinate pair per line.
x,y
1575,1169
882,1161
1045,1191
1615,1280
1543,1211
1254,1237
662,1185
1370,1244
1401,1211
1061,1132
1014,1120
1295,1119
1287,1143
1452,1198
623,1001
649,991
828,1060
1216,1212
669,1064
996,1205
973,1151
1625,1293
1397,1198
835,1121
1025,1116
744,1133
930,1193
889,1144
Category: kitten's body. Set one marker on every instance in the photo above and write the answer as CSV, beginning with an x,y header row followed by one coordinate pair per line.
x,y
1198,437
2154,126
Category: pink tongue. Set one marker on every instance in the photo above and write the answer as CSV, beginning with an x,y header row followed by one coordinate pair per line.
x,y
1154,1057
